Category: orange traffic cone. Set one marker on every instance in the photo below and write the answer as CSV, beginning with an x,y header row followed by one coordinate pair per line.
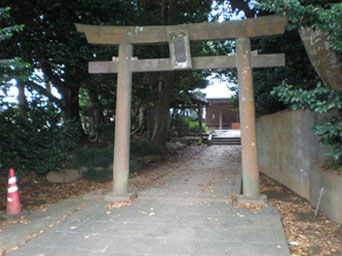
x,y
13,199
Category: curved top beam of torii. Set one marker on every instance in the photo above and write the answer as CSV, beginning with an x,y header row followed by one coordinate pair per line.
x,y
264,26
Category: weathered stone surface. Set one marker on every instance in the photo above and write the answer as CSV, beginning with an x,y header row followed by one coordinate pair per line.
x,y
262,199
123,120
250,171
66,176
198,63
179,45
271,25
173,147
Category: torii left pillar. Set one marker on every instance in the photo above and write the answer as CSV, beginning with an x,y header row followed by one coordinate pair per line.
x,y
122,126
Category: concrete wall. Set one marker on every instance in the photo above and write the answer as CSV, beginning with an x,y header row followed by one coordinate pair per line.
x,y
290,153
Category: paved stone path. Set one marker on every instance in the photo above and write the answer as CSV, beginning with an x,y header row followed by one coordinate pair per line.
x,y
187,212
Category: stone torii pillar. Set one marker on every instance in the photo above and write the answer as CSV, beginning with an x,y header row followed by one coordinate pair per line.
x,y
250,173
122,125
178,37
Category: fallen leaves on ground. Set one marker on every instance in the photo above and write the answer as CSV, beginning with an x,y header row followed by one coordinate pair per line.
x,y
250,206
37,193
42,193
119,204
306,235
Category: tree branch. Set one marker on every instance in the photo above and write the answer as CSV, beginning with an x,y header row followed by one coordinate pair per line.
x,y
47,69
243,6
45,92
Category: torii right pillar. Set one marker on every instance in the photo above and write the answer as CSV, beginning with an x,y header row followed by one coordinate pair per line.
x,y
250,170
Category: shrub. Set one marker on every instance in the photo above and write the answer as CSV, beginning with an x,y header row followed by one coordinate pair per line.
x,y
136,164
194,127
143,148
93,174
185,124
35,139
98,156
102,156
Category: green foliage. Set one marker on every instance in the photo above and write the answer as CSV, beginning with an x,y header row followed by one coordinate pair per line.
x,y
7,31
330,132
143,148
102,156
37,140
96,156
181,124
298,71
136,164
331,21
194,127
13,67
321,100
320,14
97,175
51,44
185,124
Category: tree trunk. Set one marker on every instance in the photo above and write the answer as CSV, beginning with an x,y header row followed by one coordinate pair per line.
x,y
161,116
323,58
22,98
97,116
71,109
21,94
71,105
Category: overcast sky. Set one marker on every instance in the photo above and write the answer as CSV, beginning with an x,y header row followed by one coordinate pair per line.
x,y
217,89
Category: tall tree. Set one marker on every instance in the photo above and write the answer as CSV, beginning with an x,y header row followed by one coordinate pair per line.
x,y
51,44
165,85
173,12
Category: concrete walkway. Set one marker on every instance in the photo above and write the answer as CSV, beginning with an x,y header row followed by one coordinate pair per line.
x,y
187,212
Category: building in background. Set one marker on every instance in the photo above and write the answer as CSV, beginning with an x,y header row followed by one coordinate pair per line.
x,y
222,114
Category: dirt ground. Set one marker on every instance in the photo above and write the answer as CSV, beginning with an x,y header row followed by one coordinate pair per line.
x,y
305,234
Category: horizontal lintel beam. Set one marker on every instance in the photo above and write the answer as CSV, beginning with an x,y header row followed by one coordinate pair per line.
x,y
263,26
198,63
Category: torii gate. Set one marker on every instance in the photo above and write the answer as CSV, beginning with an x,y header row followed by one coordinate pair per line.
x,y
178,37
